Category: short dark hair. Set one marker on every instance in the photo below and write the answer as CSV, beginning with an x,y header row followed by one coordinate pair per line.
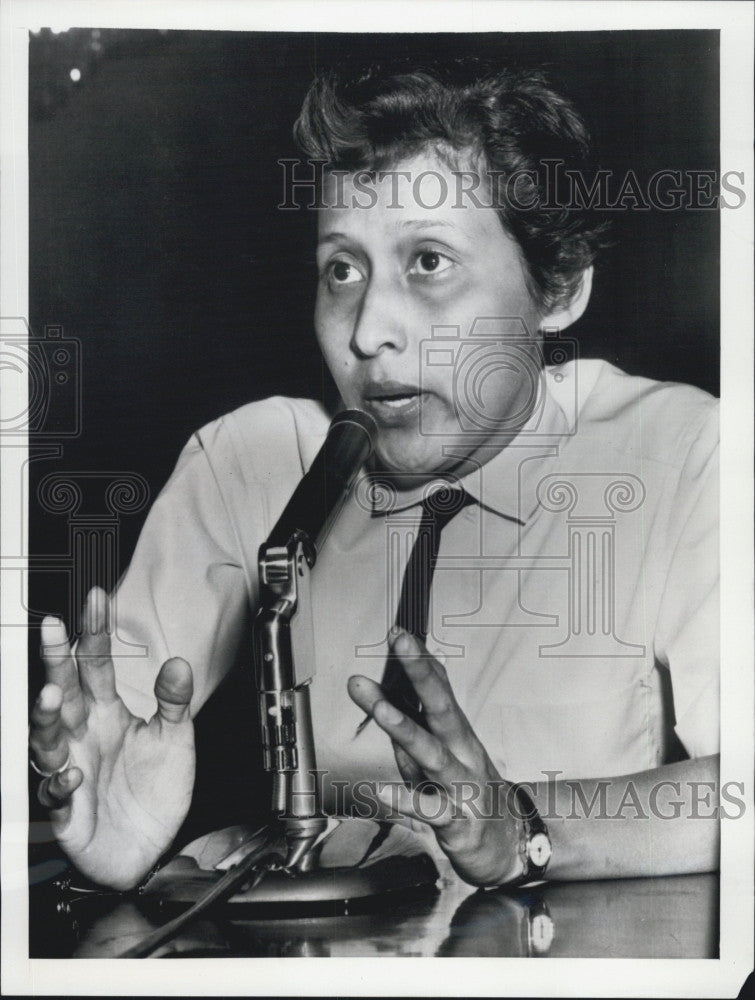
x,y
511,118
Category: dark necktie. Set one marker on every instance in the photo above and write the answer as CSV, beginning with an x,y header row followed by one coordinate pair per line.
x,y
414,603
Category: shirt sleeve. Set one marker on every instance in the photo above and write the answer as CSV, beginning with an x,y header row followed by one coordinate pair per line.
x,y
688,633
186,592
192,584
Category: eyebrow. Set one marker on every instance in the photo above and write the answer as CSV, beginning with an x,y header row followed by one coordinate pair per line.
x,y
425,224
336,236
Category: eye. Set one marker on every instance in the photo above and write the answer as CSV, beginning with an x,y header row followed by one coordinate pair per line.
x,y
430,262
341,272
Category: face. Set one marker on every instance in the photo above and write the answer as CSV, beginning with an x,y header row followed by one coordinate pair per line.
x,y
388,275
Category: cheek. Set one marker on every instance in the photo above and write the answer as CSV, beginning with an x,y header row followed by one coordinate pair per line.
x,y
509,298
339,359
332,336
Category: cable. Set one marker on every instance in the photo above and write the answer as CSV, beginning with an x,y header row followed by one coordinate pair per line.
x,y
219,892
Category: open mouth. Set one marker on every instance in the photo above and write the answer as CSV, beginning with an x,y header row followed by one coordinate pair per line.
x,y
396,402
392,403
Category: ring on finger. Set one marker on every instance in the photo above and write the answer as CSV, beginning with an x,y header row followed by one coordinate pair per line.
x,y
50,774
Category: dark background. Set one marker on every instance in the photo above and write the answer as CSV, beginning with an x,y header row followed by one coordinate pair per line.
x,y
156,242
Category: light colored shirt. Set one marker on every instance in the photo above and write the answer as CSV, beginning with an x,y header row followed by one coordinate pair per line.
x,y
575,605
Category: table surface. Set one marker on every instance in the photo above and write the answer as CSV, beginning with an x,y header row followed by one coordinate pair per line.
x,y
669,917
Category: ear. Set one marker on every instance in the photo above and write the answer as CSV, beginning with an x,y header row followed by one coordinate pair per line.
x,y
563,316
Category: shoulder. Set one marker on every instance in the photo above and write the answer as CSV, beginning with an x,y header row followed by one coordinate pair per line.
x,y
636,418
253,457
267,434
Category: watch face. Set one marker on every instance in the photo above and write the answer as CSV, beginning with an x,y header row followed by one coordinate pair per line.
x,y
539,849
541,934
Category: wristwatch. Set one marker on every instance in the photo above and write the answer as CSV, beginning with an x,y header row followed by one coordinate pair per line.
x,y
535,847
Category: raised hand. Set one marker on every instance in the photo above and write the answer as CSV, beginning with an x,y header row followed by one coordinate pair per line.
x,y
450,781
118,788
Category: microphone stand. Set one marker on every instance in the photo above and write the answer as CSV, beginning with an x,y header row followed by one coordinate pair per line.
x,y
291,861
288,746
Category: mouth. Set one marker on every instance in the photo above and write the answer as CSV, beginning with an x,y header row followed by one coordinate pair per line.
x,y
392,403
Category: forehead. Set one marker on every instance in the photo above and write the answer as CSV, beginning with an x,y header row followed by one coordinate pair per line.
x,y
421,191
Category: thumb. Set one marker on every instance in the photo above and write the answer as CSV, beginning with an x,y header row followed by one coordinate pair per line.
x,y
173,689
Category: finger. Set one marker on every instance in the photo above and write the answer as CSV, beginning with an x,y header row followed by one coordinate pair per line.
x,y
55,792
425,750
364,692
61,670
419,804
93,653
408,768
173,689
46,737
442,711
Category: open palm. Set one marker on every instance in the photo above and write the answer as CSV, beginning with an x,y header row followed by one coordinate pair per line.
x,y
118,788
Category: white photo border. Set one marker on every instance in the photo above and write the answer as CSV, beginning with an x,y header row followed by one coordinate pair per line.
x,y
557,977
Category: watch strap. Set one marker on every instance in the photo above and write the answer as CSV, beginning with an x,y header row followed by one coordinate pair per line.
x,y
533,824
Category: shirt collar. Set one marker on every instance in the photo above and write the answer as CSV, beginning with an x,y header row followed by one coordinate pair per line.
x,y
507,483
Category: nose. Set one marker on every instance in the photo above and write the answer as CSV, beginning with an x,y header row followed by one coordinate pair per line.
x,y
380,321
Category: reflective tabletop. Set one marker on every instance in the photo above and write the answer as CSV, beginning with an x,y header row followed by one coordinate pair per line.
x,y
670,917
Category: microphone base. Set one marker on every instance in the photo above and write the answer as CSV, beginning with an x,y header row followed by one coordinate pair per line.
x,y
356,865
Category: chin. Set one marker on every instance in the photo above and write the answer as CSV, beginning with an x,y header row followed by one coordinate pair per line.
x,y
413,461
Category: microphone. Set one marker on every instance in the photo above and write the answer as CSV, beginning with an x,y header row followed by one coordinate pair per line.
x,y
285,560
318,498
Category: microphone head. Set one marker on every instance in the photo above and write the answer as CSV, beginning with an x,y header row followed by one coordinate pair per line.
x,y
358,417
318,497
348,445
